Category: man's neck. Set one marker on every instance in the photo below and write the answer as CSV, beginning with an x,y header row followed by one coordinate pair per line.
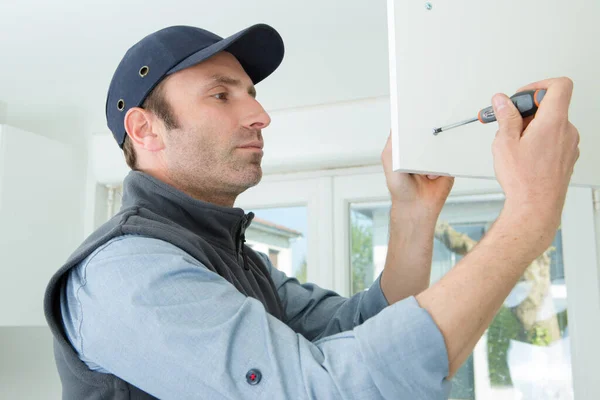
x,y
207,194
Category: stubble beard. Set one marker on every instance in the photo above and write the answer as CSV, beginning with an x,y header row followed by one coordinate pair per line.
x,y
226,174
246,172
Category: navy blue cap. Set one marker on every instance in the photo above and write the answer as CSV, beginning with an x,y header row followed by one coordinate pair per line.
x,y
259,49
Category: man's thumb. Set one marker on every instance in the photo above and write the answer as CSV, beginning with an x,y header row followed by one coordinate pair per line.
x,y
509,120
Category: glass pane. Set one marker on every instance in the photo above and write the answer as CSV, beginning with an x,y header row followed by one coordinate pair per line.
x,y
280,233
525,353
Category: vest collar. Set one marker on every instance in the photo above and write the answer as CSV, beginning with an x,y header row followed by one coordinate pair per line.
x,y
225,225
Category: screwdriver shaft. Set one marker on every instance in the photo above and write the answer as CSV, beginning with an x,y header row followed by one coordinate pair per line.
x,y
526,102
445,128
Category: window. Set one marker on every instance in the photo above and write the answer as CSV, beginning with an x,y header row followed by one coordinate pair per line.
x,y
273,256
281,234
293,217
526,349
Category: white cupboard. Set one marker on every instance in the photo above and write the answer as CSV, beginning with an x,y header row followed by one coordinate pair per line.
x,y
447,59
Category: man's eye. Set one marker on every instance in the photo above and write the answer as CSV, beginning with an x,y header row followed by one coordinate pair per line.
x,y
221,96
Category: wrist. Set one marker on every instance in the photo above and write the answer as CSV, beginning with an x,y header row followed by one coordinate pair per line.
x,y
532,216
411,225
412,211
531,231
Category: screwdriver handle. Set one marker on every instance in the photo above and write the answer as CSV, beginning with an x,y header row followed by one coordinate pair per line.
x,y
527,103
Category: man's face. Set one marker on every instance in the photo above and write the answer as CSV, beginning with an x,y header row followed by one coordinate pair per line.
x,y
218,143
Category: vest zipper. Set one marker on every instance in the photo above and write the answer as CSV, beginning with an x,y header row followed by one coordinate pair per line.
x,y
242,240
244,256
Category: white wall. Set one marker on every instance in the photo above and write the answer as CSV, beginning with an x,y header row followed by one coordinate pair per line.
x,y
41,223
40,220
596,199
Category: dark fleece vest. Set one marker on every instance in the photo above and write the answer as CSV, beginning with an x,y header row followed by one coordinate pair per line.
x,y
211,234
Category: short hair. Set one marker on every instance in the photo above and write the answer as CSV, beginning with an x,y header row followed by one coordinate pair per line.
x,y
157,104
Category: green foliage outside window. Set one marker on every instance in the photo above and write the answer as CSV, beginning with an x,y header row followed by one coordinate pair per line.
x,y
361,254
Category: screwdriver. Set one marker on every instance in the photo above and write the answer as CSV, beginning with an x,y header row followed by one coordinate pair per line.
x,y
527,103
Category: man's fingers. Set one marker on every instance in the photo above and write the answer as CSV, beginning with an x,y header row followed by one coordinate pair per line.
x,y
546,83
387,144
526,122
557,98
543,84
386,153
509,119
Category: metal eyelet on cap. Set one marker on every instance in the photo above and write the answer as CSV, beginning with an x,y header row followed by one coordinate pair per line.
x,y
121,105
144,71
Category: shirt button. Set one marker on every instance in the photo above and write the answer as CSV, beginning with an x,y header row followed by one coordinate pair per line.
x,y
253,376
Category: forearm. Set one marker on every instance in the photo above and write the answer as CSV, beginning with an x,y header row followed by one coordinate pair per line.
x,y
465,301
408,263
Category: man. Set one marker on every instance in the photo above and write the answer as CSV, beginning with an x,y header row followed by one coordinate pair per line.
x,y
166,301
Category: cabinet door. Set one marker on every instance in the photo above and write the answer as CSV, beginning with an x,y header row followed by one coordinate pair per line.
x,y
448,58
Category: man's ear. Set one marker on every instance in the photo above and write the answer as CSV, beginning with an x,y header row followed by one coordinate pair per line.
x,y
144,129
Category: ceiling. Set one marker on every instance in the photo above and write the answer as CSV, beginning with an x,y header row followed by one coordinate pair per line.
x,y
57,58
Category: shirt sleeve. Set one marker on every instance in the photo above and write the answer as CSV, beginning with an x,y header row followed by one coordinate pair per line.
x,y
316,313
147,312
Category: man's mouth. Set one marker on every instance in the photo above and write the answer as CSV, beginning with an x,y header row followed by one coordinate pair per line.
x,y
253,145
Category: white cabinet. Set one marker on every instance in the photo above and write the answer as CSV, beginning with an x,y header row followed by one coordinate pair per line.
x,y
447,59
40,220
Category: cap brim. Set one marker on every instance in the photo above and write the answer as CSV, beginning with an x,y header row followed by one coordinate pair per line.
x,y
259,49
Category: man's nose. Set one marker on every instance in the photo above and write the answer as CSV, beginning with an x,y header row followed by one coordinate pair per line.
x,y
257,118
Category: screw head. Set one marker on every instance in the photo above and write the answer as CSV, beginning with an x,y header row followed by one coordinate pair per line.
x,y
428,6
